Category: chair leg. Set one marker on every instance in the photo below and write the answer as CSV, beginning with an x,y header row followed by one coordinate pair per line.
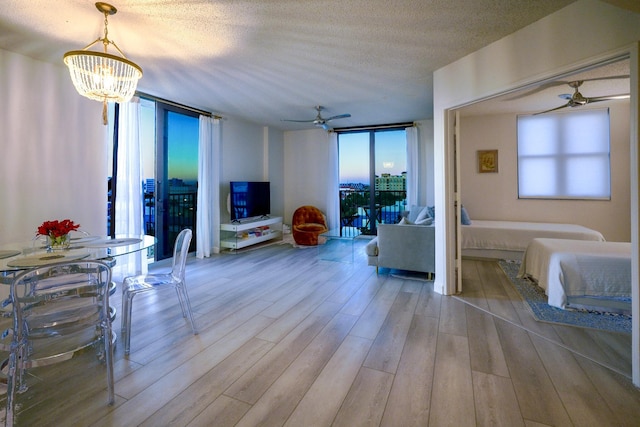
x,y
184,301
127,303
11,389
108,358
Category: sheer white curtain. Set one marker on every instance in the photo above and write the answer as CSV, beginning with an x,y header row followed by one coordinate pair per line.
x,y
207,215
128,201
333,182
412,165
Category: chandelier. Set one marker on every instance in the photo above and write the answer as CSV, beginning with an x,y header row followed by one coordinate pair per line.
x,y
99,75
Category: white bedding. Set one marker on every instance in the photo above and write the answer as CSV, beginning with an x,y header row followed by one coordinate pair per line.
x,y
578,268
515,236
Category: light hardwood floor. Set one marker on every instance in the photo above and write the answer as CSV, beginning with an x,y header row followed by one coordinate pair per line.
x,y
288,339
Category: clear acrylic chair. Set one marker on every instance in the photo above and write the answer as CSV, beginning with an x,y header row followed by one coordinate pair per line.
x,y
133,285
58,310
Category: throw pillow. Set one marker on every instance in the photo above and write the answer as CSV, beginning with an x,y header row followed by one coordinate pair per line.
x,y
414,211
405,221
426,221
423,215
464,216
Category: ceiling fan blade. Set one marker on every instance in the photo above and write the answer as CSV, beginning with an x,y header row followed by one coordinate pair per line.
x,y
324,126
562,82
568,104
340,116
609,98
298,121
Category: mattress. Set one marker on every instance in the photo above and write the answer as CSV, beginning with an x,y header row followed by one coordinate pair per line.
x,y
515,235
578,268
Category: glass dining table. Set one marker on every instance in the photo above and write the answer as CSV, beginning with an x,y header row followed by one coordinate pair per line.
x,y
21,256
16,257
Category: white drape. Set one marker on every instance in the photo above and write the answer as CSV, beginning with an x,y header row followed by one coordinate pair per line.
x,y
207,215
333,182
412,165
128,201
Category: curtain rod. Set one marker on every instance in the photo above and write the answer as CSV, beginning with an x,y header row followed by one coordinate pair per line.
x,y
176,104
376,127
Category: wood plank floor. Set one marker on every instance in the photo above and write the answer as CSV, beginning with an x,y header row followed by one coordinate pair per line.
x,y
289,339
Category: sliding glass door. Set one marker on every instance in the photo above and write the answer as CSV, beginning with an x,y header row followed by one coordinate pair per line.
x,y
176,175
373,189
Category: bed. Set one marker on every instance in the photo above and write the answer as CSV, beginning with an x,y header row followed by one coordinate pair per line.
x,y
580,273
509,239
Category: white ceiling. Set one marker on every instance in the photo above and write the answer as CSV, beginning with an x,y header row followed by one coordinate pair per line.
x,y
269,60
607,79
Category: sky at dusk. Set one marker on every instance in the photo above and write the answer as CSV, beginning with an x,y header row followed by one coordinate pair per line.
x,y
390,155
183,143
390,149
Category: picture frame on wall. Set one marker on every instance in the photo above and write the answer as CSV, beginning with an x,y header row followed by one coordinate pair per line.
x,y
487,161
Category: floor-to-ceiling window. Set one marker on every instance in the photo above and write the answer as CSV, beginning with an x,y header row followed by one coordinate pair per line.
x,y
169,153
373,165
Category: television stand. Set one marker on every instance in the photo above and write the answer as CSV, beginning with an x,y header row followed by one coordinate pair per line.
x,y
238,235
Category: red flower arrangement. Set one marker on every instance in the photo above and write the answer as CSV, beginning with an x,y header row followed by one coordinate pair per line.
x,y
57,228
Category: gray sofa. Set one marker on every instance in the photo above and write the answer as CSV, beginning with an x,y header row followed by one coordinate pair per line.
x,y
403,247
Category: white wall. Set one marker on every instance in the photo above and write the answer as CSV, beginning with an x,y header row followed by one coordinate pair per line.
x,y
251,152
274,168
53,162
495,195
306,155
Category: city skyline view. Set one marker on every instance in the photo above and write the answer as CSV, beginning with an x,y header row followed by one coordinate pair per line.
x,y
390,155
183,131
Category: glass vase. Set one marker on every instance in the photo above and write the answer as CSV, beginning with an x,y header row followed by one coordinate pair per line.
x,y
58,243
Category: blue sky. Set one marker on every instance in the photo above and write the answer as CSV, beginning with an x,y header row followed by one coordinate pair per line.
x,y
390,155
354,149
183,144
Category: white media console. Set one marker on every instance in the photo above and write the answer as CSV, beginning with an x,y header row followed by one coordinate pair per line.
x,y
238,235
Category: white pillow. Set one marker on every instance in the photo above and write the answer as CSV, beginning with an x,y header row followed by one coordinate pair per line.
x,y
414,211
405,221
423,215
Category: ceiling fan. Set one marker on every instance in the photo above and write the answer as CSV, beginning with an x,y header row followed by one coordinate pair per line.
x,y
319,120
576,99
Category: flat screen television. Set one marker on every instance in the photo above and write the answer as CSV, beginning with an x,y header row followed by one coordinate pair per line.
x,y
249,199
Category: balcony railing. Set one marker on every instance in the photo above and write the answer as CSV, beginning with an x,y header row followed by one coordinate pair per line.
x,y
360,214
181,214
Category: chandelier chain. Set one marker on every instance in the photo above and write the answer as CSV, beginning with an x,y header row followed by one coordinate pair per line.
x,y
105,41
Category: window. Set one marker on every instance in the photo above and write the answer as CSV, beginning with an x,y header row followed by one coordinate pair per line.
x,y
564,155
169,154
373,189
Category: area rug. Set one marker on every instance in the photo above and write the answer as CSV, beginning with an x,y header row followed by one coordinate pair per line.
x,y
536,301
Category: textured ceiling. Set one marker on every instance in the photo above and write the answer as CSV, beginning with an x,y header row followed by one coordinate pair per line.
x,y
611,78
269,60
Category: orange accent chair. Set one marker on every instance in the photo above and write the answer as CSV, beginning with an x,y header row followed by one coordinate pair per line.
x,y
307,224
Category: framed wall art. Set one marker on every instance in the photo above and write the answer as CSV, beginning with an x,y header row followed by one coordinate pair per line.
x,y
488,161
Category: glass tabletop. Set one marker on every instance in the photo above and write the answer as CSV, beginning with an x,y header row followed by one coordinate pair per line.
x,y
346,233
22,255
